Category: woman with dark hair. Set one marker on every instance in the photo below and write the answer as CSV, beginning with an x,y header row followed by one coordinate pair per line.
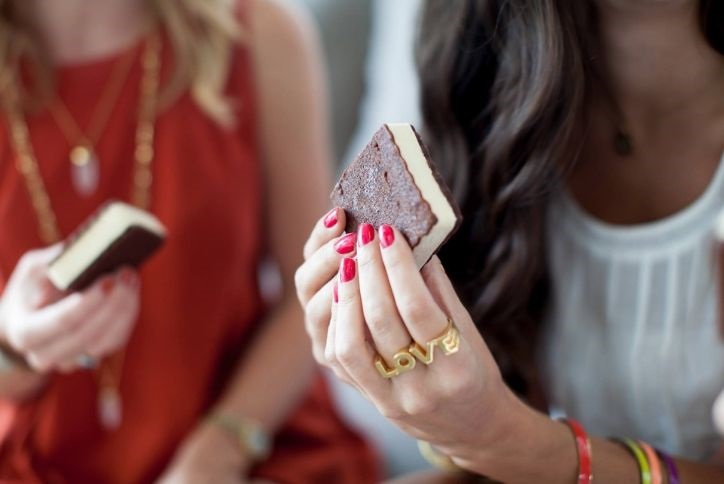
x,y
186,370
583,140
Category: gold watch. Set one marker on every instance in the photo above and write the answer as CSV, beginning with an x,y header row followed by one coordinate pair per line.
x,y
251,438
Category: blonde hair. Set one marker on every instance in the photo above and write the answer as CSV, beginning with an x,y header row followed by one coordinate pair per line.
x,y
202,35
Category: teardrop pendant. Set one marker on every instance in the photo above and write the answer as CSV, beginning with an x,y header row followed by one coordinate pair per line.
x,y
85,170
110,407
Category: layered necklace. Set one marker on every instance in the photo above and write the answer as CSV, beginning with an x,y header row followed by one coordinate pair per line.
x,y
82,156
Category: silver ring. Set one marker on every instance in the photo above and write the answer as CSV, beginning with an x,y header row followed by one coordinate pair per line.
x,y
86,361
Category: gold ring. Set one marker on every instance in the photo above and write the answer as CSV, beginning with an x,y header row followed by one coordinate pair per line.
x,y
403,362
448,341
406,359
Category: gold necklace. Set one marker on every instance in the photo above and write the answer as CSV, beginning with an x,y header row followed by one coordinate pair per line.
x,y
83,155
110,370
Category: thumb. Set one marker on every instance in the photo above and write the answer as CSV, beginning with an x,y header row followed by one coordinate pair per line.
x,y
39,288
46,255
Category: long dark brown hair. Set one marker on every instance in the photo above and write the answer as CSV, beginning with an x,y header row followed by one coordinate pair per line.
x,y
505,85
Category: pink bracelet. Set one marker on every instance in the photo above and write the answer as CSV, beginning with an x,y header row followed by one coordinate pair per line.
x,y
654,464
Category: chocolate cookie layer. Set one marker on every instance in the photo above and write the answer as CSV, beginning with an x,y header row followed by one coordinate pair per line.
x,y
393,181
377,188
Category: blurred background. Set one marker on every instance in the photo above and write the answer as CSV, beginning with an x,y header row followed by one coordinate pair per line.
x,y
372,80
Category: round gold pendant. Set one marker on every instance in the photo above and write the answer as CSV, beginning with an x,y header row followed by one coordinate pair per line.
x,y
81,155
85,170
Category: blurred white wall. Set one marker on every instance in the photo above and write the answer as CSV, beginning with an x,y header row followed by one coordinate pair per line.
x,y
391,85
344,27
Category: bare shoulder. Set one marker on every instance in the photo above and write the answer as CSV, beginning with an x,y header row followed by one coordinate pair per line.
x,y
287,59
290,78
281,30
290,81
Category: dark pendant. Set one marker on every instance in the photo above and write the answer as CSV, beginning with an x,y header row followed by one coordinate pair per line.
x,y
623,144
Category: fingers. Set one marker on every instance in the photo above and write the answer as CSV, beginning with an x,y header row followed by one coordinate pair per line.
x,y
57,319
101,332
351,350
37,260
31,275
328,354
322,266
329,350
387,330
326,228
317,314
422,316
120,315
329,357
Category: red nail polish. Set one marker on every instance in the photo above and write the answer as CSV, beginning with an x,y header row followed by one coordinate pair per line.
x,y
345,245
330,220
387,236
126,276
107,285
366,234
347,270
335,292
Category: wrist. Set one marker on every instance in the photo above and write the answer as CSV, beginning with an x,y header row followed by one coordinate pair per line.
x,y
207,451
496,425
240,459
520,444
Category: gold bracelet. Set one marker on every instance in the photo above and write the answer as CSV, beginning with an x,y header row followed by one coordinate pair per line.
x,y
252,440
436,458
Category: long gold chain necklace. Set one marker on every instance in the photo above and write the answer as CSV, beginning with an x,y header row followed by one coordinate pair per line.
x,y
109,372
83,156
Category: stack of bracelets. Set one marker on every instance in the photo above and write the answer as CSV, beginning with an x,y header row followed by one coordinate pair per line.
x,y
652,462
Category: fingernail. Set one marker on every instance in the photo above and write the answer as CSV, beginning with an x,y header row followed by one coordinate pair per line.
x,y
126,277
330,220
108,284
366,234
387,236
335,292
347,269
345,245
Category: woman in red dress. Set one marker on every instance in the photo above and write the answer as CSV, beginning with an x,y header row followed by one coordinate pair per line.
x,y
209,114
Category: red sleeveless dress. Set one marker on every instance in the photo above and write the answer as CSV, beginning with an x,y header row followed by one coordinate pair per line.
x,y
200,296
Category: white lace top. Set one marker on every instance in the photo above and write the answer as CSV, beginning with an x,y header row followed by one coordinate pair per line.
x,y
632,346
